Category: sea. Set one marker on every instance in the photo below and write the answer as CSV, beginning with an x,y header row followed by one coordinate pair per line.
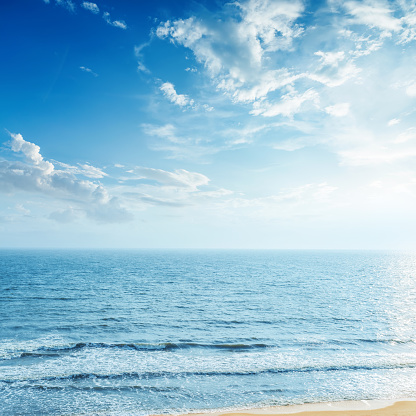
x,y
140,332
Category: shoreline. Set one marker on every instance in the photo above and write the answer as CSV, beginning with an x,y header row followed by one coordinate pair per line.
x,y
393,407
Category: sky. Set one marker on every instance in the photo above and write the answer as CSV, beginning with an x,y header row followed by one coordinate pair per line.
x,y
280,124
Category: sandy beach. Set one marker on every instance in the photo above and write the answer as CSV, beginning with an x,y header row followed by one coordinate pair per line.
x,y
348,408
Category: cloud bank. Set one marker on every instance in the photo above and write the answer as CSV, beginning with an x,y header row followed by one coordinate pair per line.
x,y
34,174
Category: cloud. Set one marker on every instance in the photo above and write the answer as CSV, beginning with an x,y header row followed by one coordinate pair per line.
x,y
116,23
289,105
22,209
64,216
88,70
335,76
408,135
330,58
32,153
91,171
373,13
179,178
360,147
139,55
389,18
168,131
170,93
166,139
289,203
68,4
374,155
234,47
338,110
411,90
82,169
393,122
92,7
266,53
409,23
36,175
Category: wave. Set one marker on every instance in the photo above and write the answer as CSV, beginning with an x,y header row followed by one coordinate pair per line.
x,y
189,374
105,389
57,350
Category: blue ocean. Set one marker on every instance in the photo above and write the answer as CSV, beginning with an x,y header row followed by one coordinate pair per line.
x,y
152,332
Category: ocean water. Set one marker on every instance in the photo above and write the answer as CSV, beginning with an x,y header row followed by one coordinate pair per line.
x,y
151,332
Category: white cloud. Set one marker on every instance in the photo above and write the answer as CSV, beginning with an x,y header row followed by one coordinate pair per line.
x,y
208,108
91,171
362,148
289,105
268,25
139,55
88,70
331,58
168,131
36,175
116,23
179,99
406,136
82,169
190,147
179,178
393,122
373,13
388,17
409,27
68,4
92,7
338,110
119,23
235,47
336,76
411,90
31,151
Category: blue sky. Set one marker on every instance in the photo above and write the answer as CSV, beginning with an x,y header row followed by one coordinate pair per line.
x,y
208,124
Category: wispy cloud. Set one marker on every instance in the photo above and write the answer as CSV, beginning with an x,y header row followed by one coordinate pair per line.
x,y
289,105
84,169
116,23
90,71
373,13
92,7
191,146
68,4
179,178
139,55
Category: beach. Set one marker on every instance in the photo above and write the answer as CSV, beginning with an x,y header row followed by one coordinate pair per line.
x,y
346,408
